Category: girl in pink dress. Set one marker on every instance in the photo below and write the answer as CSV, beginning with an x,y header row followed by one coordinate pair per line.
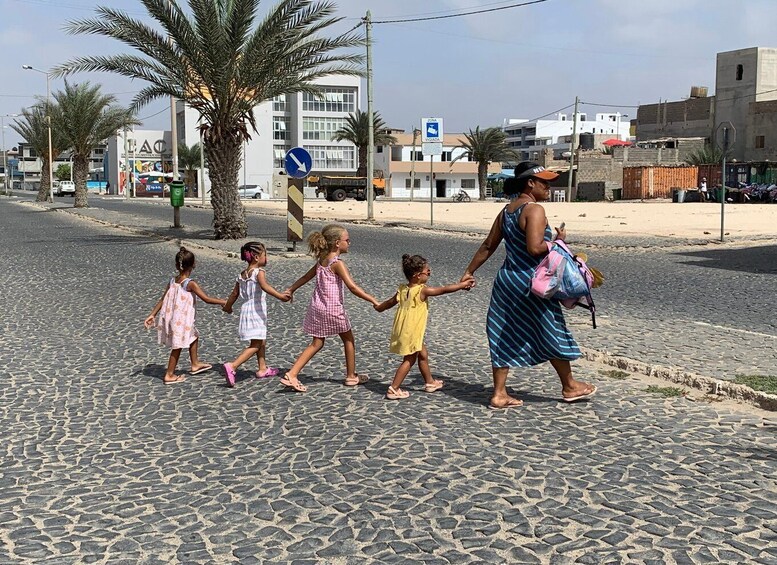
x,y
176,323
326,312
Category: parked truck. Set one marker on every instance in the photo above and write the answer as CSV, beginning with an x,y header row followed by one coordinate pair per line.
x,y
339,187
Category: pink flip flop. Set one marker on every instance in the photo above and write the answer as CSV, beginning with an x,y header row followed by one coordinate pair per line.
x,y
230,375
268,372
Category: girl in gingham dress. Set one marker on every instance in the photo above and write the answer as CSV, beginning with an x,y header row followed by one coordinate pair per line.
x,y
326,312
251,286
178,306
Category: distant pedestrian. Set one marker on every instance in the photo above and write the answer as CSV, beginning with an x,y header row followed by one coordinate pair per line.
x,y
703,188
407,335
523,329
252,287
175,327
326,315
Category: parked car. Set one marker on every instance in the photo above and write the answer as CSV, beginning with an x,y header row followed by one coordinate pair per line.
x,y
65,187
251,191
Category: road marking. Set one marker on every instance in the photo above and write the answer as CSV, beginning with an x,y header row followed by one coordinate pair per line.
x,y
735,330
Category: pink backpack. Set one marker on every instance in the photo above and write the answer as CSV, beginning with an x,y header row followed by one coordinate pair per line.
x,y
563,276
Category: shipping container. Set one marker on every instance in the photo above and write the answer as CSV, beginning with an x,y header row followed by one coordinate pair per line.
x,y
735,173
641,183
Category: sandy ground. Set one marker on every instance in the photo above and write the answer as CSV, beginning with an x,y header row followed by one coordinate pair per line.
x,y
692,220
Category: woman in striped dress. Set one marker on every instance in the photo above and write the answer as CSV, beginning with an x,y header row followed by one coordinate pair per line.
x,y
523,329
326,315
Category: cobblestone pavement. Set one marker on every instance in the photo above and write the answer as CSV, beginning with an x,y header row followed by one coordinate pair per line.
x,y
102,463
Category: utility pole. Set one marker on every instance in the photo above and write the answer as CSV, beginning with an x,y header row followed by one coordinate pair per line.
x,y
416,131
572,145
370,124
202,167
431,190
723,188
174,136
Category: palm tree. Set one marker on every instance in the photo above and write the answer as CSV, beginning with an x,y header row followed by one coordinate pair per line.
x,y
485,147
356,130
86,118
33,127
189,161
708,155
211,55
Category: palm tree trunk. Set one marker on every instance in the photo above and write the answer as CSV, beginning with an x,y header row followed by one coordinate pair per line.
x,y
362,169
80,176
45,184
482,179
224,157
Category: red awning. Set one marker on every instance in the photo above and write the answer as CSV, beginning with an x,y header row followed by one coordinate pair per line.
x,y
615,143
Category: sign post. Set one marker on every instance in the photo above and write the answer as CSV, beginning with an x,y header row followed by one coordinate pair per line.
x,y
297,163
724,137
431,145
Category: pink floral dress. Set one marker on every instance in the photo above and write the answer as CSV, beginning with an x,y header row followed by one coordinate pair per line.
x,y
176,318
326,312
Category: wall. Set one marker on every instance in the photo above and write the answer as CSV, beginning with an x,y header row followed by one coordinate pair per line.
x,y
761,121
685,118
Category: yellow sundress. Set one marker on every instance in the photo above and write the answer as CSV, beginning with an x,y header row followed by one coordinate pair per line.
x,y
407,335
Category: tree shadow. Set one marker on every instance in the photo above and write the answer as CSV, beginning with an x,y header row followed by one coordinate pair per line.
x,y
757,260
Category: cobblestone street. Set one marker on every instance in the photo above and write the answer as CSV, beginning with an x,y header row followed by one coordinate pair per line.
x,y
102,463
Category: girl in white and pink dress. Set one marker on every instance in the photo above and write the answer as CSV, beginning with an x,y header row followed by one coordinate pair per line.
x,y
178,307
326,315
252,287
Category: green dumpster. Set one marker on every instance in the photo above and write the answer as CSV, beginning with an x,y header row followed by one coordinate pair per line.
x,y
177,189
617,193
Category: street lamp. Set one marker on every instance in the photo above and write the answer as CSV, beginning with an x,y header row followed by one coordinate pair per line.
x,y
48,122
5,153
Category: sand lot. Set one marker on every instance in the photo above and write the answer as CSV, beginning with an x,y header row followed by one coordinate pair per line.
x,y
658,218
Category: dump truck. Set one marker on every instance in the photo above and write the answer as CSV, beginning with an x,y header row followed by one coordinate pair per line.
x,y
339,187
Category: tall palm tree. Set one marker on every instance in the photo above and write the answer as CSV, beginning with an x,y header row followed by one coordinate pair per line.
x,y
32,125
213,55
485,147
86,118
189,161
356,130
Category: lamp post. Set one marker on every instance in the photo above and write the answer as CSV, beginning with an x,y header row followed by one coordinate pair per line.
x,y
48,123
5,153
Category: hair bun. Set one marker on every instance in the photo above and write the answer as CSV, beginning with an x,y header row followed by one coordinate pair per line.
x,y
405,257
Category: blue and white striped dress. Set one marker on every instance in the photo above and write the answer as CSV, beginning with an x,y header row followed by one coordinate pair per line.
x,y
253,312
523,329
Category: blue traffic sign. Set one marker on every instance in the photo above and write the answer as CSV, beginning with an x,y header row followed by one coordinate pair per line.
x,y
298,162
431,130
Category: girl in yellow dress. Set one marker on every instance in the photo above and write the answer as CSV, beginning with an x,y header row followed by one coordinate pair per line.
x,y
407,335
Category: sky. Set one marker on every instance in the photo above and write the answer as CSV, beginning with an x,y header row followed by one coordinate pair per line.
x,y
521,62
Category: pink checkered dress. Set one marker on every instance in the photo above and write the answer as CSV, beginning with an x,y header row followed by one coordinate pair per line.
x,y
326,313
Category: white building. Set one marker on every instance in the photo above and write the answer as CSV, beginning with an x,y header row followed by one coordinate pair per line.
x,y
148,151
530,138
400,162
292,120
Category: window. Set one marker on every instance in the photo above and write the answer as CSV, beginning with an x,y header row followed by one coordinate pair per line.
x,y
279,155
379,149
467,183
332,100
416,184
759,141
280,127
279,103
321,129
417,156
740,72
446,156
333,156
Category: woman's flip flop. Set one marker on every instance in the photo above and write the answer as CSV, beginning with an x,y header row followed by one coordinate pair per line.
x,y
580,396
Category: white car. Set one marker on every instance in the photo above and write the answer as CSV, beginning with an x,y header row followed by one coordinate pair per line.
x,y
65,187
251,191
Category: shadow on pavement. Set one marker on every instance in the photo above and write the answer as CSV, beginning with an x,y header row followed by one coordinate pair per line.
x,y
762,259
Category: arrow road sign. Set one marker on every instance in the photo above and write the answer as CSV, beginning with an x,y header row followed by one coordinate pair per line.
x,y
298,162
431,130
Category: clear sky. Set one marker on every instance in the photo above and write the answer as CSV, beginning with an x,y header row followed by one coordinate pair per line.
x,y
477,70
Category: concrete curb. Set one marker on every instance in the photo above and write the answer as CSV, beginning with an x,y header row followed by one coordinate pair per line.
x,y
709,385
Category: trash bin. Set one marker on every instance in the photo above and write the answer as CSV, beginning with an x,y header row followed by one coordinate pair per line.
x,y
177,190
674,195
617,193
680,195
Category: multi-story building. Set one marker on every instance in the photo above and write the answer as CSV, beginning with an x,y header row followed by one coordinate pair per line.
x,y
745,97
30,165
293,120
529,138
404,166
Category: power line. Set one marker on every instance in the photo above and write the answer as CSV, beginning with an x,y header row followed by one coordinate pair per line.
x,y
152,115
608,105
472,13
438,12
